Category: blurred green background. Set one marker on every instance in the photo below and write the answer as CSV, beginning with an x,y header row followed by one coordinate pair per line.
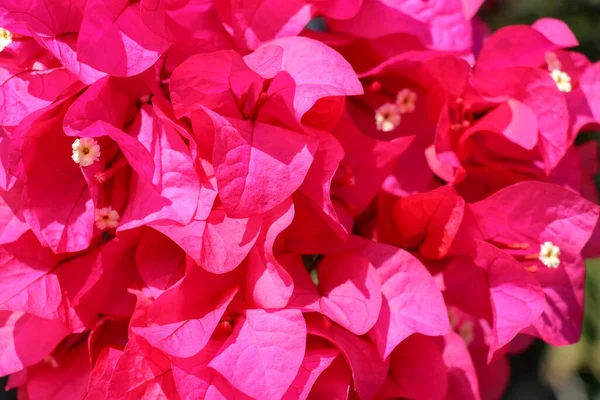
x,y
571,372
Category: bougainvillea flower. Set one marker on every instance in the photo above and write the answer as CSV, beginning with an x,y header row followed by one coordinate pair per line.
x,y
543,46
232,86
309,199
514,223
507,296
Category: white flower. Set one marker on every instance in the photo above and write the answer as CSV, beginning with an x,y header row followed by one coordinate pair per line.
x,y
406,101
549,255
107,218
387,117
6,38
562,79
86,151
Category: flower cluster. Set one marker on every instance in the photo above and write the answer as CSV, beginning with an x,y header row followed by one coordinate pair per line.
x,y
210,199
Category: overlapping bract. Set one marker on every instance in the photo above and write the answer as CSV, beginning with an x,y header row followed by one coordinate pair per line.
x,y
256,209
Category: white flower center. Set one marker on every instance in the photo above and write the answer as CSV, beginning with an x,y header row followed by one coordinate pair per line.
x,y
406,101
387,117
562,79
86,151
106,218
549,255
6,38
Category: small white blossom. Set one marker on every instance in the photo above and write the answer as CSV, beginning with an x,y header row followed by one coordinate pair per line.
x,y
107,218
406,101
387,117
562,79
6,38
86,151
549,255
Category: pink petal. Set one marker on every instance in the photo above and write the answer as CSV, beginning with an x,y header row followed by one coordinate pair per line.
x,y
338,9
296,89
140,371
175,177
462,377
200,382
334,383
430,21
412,302
258,166
29,91
535,88
12,222
268,282
260,21
351,291
429,221
536,212
266,350
414,362
217,81
159,261
512,46
227,241
101,373
68,380
102,101
368,370
113,39
515,121
517,298
184,333
21,344
561,322
28,283
556,31
314,363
